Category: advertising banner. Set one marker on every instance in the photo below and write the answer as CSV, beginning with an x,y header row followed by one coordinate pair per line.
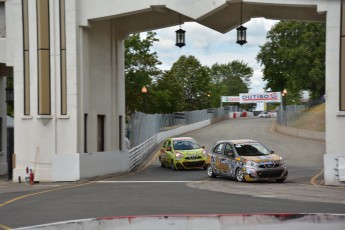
x,y
270,97
231,99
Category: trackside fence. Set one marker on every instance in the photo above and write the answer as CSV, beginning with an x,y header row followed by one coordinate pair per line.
x,y
294,112
143,128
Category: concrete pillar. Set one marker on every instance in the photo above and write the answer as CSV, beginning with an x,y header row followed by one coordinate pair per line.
x,y
335,115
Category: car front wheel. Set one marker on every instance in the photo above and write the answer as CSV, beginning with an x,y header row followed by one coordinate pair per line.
x,y
239,175
210,172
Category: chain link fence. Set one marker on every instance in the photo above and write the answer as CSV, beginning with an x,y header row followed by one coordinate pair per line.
x,y
293,113
142,127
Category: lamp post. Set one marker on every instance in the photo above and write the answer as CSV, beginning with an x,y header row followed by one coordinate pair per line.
x,y
284,105
144,91
208,99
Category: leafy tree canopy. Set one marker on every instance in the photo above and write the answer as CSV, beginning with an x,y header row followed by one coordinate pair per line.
x,y
140,68
294,57
229,79
194,81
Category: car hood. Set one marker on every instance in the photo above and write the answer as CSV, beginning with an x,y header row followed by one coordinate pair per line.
x,y
271,157
190,152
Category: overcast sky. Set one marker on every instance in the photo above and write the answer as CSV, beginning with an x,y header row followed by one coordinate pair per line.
x,y
211,47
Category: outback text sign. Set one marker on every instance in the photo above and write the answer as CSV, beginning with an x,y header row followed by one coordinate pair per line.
x,y
260,97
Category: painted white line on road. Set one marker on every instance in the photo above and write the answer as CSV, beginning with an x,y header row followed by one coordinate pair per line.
x,y
145,181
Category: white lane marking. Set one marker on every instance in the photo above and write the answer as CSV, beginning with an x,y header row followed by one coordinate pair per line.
x,y
145,181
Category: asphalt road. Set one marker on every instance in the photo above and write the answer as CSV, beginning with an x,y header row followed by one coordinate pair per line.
x,y
153,190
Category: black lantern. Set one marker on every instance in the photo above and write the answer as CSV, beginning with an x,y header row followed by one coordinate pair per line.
x,y
180,37
241,32
9,95
241,35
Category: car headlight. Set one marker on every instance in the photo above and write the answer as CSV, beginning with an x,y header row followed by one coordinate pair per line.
x,y
178,156
204,153
281,162
251,163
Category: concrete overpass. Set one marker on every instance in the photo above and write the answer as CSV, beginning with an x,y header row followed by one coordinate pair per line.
x,y
67,58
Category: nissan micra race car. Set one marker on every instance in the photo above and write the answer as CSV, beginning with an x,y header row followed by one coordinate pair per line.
x,y
182,153
245,160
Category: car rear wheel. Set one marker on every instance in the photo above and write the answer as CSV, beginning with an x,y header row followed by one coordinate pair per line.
x,y
280,180
210,172
240,175
172,165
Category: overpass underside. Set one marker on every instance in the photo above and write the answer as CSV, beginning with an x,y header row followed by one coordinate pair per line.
x,y
68,60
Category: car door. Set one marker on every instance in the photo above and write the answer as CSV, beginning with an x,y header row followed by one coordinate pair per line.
x,y
166,152
229,162
216,158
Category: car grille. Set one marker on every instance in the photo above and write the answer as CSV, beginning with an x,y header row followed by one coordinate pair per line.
x,y
269,166
193,164
270,174
192,157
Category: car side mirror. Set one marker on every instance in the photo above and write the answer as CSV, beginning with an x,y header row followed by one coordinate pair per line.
x,y
203,147
272,151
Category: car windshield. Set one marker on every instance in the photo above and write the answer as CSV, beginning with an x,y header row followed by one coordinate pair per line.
x,y
251,149
185,145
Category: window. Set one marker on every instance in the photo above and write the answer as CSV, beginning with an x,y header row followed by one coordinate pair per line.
x,y
100,133
218,149
43,46
85,133
228,151
63,58
26,57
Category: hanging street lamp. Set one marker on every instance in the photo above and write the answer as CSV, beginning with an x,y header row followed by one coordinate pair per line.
x,y
180,36
241,32
241,35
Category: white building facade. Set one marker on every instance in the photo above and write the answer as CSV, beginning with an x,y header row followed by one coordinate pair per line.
x,y
67,59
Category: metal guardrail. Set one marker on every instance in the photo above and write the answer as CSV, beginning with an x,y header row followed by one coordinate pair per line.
x,y
138,153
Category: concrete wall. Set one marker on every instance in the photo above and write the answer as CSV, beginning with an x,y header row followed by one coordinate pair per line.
x,y
206,222
301,133
73,167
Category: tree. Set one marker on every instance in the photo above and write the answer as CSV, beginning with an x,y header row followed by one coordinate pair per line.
x,y
140,68
294,57
169,94
229,79
193,80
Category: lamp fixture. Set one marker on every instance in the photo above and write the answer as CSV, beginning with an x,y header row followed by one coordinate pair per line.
x,y
144,90
241,32
180,36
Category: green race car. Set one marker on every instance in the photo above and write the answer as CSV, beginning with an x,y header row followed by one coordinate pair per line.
x,y
182,153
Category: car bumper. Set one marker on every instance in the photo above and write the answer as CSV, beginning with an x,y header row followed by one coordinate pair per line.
x,y
190,164
255,174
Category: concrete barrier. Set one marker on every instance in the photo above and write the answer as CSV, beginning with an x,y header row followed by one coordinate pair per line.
x,y
301,133
205,222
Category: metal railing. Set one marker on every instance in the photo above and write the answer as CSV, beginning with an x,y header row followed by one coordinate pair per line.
x,y
142,127
292,113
